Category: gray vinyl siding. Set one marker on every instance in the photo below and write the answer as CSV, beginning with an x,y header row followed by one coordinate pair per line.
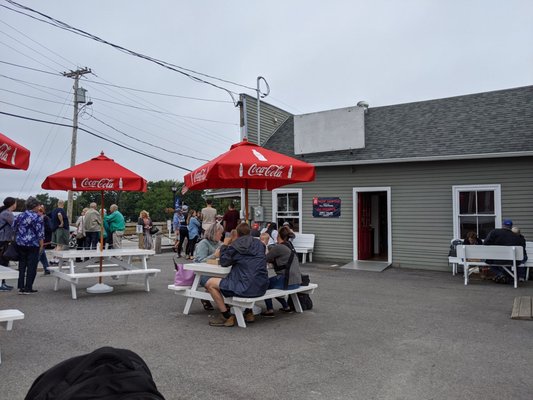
x,y
421,198
271,119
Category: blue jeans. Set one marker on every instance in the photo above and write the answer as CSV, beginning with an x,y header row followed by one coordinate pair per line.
x,y
278,282
28,260
91,240
44,260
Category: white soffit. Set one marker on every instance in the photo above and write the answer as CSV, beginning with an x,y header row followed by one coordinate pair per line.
x,y
340,129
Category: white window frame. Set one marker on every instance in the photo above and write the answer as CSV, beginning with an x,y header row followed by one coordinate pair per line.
x,y
275,193
496,188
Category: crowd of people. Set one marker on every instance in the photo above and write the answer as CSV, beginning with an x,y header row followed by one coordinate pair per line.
x,y
33,231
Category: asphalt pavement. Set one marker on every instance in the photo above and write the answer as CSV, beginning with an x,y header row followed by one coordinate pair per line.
x,y
399,334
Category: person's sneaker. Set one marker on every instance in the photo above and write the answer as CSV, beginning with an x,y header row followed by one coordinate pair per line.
x,y
268,314
4,288
30,291
7,286
221,321
46,272
23,291
249,316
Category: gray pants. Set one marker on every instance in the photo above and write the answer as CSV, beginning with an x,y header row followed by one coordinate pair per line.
x,y
117,239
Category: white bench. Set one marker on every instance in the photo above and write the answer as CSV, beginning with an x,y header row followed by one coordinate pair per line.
x,y
304,243
8,316
475,255
73,278
8,273
241,303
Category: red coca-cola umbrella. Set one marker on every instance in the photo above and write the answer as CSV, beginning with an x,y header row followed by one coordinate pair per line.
x,y
13,155
99,174
249,166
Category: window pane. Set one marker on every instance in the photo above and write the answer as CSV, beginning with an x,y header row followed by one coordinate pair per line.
x,y
485,225
466,225
293,202
282,202
467,202
485,202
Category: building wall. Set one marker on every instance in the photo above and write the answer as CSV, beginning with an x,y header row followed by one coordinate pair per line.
x,y
421,201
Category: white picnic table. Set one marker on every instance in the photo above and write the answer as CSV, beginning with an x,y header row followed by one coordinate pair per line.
x,y
201,269
8,273
69,268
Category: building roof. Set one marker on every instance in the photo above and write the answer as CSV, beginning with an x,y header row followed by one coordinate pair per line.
x,y
491,124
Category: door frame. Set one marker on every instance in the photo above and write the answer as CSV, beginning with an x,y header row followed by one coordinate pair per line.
x,y
386,189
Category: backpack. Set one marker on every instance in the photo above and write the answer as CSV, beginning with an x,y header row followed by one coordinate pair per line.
x,y
106,373
453,247
304,298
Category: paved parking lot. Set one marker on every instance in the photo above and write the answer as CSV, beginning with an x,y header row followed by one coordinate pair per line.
x,y
400,334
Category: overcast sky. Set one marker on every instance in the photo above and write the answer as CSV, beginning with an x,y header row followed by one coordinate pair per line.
x,y
315,55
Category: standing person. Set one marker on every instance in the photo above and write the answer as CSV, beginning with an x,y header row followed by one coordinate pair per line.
x,y
288,276
146,222
272,231
92,223
248,276
209,215
29,231
6,233
183,229
194,227
505,237
80,232
60,226
47,239
117,224
231,219
176,227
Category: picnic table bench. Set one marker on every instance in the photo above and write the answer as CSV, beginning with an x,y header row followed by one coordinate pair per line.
x,y
304,243
8,316
472,256
239,304
111,258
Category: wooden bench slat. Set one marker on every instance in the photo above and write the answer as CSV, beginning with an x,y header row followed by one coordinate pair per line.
x,y
114,273
522,308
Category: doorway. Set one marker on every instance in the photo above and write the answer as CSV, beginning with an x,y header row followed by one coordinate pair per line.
x,y
372,224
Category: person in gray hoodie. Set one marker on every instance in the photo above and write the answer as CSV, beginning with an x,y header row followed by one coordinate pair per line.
x,y
248,276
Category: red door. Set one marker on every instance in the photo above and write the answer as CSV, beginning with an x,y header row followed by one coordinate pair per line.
x,y
364,230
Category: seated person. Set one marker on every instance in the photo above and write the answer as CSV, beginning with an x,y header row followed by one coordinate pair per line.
x,y
505,237
248,276
288,275
472,239
206,249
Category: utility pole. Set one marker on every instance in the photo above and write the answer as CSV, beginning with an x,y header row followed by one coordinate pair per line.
x,y
78,98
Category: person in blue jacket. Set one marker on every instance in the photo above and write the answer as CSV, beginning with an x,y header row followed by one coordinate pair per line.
x,y
248,276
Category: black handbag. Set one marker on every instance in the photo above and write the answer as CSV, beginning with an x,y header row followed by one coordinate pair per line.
x,y
154,230
11,253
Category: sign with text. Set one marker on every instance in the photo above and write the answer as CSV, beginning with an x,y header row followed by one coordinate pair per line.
x,y
326,207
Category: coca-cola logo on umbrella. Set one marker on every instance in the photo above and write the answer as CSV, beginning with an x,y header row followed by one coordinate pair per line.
x,y
103,183
271,171
200,175
4,153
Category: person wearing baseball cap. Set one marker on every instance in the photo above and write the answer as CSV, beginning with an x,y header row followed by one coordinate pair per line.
x,y
505,237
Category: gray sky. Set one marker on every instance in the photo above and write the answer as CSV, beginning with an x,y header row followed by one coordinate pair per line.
x,y
315,55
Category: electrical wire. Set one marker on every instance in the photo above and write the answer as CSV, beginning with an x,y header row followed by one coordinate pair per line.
x,y
31,97
98,136
30,68
30,109
25,55
170,66
148,143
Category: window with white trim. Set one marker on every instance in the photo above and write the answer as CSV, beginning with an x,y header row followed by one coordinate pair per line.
x,y
287,207
476,208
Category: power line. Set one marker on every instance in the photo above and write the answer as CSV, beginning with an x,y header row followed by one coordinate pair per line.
x,y
164,64
30,109
163,112
25,55
31,97
30,68
159,93
148,143
98,136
